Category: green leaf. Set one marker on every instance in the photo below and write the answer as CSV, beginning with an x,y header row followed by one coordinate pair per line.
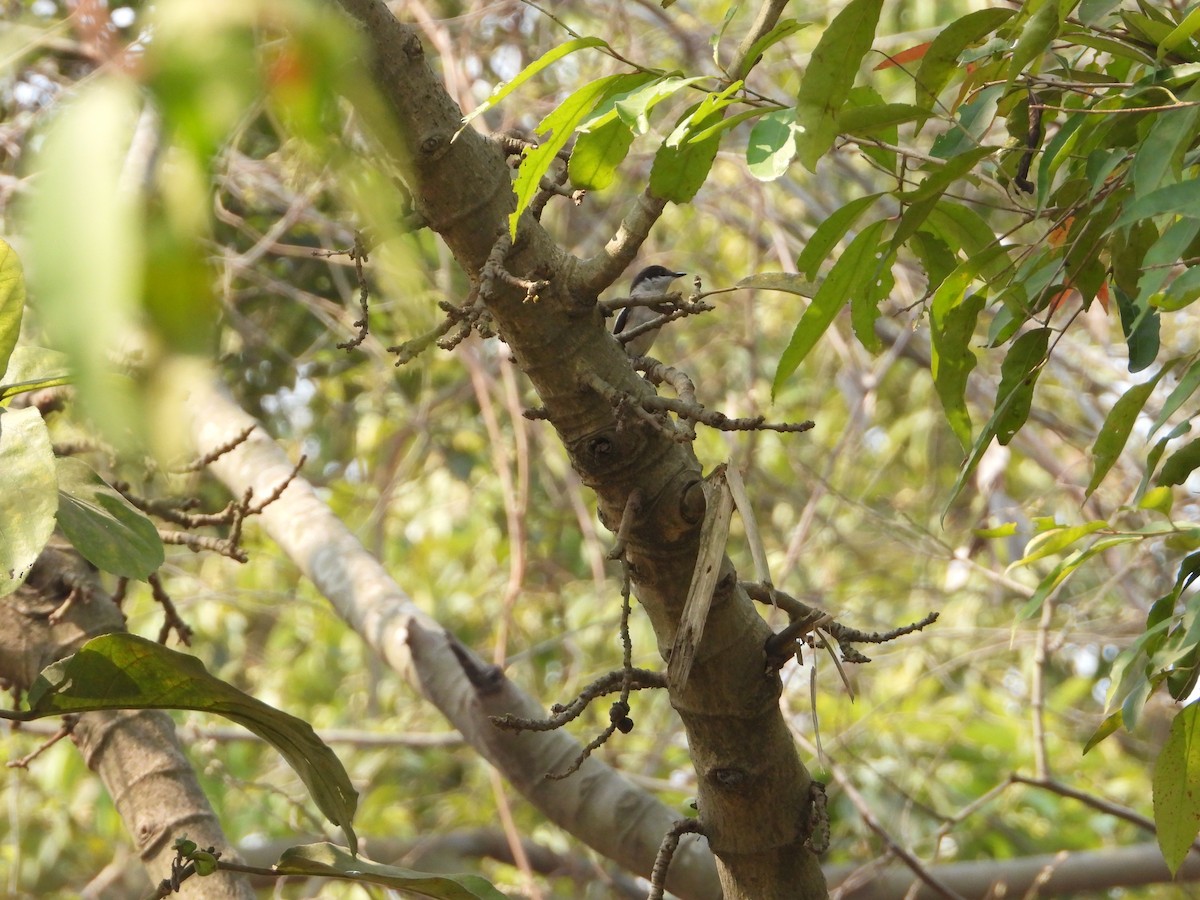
x,y
829,232
858,264
329,861
1141,326
951,326
542,62
1176,784
31,369
560,124
867,120
1159,157
1182,34
1035,36
1174,199
1118,425
28,493
634,108
1179,394
124,671
1064,570
830,75
940,62
87,296
597,153
1179,292
941,177
779,281
864,303
785,28
964,229
12,301
1180,464
772,145
680,170
1018,375
102,525
1107,727
1049,543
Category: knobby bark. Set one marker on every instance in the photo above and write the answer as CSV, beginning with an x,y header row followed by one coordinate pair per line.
x,y
753,791
136,753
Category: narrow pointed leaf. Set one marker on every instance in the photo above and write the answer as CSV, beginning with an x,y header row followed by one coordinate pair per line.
x,y
541,63
28,493
329,861
830,76
1117,427
1176,784
851,272
102,525
12,301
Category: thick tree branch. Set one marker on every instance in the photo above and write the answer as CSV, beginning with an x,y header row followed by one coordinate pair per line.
x,y
753,792
597,805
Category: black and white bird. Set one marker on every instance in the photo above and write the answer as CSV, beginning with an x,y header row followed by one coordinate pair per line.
x,y
652,281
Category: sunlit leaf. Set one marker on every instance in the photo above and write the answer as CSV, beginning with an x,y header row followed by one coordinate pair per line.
x,y
830,75
860,263
538,65
28,493
557,128
1176,783
772,145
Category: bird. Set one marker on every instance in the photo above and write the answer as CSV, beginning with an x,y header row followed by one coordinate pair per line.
x,y
652,281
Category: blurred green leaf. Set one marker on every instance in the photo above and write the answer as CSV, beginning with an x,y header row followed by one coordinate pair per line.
x,y
12,301
124,671
102,525
28,493
772,145
85,248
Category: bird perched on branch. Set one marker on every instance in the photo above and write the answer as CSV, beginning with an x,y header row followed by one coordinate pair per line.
x,y
652,281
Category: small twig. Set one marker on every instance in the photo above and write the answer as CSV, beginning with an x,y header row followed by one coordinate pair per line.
x,y
666,852
172,621
609,683
215,454
358,254
633,506
64,730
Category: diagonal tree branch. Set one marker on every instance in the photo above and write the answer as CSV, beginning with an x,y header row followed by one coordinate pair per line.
x,y
598,805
